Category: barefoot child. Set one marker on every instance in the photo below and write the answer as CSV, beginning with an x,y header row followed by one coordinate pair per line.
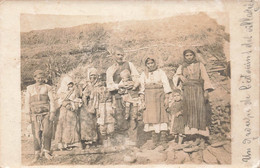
x,y
129,90
105,113
177,121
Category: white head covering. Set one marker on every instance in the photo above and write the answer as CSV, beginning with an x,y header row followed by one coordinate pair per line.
x,y
92,71
64,84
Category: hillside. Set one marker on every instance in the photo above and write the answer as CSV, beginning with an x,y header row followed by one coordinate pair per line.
x,y
62,49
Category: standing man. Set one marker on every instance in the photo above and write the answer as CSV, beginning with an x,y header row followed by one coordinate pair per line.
x,y
113,80
39,103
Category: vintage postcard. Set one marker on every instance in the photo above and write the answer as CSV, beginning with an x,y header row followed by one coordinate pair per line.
x,y
129,84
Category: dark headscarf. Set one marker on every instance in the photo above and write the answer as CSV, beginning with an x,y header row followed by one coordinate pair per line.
x,y
187,62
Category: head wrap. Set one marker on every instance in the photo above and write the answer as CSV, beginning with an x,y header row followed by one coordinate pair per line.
x,y
64,84
187,62
38,72
92,71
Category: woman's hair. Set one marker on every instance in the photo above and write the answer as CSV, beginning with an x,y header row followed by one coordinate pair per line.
x,y
188,51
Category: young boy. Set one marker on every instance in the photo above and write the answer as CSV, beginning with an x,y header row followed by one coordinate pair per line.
x,y
131,100
105,114
39,103
177,121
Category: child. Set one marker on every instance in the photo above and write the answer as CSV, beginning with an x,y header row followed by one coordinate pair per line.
x,y
39,103
105,114
129,91
177,122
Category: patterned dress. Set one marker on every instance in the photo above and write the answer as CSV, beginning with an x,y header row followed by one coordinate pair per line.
x,y
88,120
68,125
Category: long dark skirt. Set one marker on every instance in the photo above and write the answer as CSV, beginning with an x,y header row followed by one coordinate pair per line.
x,y
194,104
88,125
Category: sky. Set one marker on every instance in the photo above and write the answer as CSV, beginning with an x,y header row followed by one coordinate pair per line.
x,y
118,12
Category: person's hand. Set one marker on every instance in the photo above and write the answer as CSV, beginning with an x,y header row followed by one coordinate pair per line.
x,y
206,95
178,114
52,116
134,88
168,110
129,84
166,103
126,116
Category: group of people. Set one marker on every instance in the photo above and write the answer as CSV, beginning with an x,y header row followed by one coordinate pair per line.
x,y
94,111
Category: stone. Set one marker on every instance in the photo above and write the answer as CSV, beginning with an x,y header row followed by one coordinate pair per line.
x,y
221,154
129,158
227,147
218,144
147,145
209,158
171,146
170,157
192,149
196,157
180,157
159,148
152,156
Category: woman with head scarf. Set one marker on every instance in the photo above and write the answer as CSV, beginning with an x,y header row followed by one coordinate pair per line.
x,y
88,121
67,133
194,80
155,90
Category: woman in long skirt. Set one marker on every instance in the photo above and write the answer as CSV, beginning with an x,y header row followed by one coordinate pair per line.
x,y
155,90
88,120
67,134
196,84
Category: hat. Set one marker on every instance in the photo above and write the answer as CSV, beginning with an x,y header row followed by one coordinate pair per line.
x,y
38,72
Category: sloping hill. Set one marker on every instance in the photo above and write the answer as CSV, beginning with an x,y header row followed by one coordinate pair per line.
x,y
63,49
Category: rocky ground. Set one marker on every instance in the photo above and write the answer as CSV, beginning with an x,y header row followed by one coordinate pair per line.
x,y
214,151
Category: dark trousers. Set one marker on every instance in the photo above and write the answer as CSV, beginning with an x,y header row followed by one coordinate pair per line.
x,y
132,130
42,132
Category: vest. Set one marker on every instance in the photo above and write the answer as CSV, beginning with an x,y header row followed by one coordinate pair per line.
x,y
116,76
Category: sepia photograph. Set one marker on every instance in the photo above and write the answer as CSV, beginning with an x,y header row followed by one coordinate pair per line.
x,y
129,84
127,92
